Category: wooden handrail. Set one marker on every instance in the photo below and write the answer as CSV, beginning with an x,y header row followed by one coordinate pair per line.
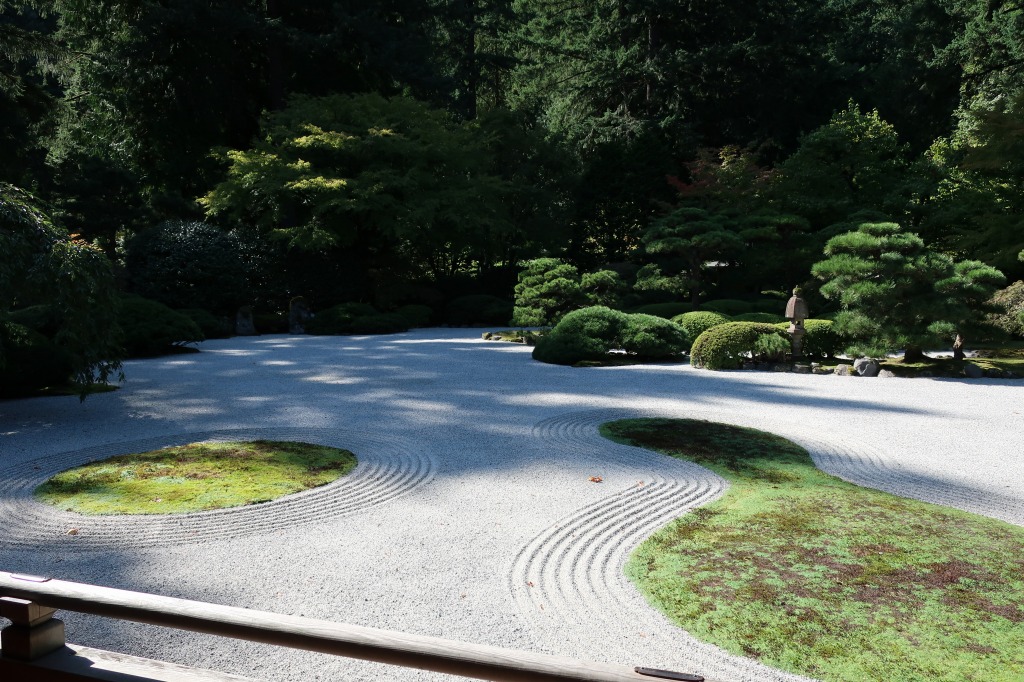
x,y
417,651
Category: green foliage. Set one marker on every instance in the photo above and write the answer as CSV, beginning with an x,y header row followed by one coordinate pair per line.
x,y
548,288
651,337
771,348
478,309
667,310
212,327
697,322
568,349
382,323
41,264
896,293
582,335
32,361
758,317
854,162
603,287
1010,305
726,346
416,315
187,264
339,319
150,328
728,306
398,183
820,339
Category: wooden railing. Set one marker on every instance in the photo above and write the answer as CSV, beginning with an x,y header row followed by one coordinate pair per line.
x,y
30,603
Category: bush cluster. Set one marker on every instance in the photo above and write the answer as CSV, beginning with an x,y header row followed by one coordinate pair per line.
x,y
667,310
589,334
356,318
727,345
697,322
150,328
1011,302
30,361
478,309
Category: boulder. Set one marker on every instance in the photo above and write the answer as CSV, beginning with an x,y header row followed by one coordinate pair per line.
x,y
866,367
298,315
886,374
844,370
244,325
802,369
972,371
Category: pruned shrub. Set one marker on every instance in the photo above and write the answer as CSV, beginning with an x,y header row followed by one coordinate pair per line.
x,y
338,319
727,345
30,361
665,310
568,349
187,264
213,327
1011,302
478,309
729,306
697,322
770,305
548,288
821,339
416,315
381,323
271,323
652,337
596,322
150,328
770,318
771,348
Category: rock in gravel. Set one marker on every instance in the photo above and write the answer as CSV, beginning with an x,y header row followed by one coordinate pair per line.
x,y
972,371
866,367
844,370
886,374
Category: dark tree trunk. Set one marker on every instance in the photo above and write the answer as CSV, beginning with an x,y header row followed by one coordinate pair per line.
x,y
913,354
958,347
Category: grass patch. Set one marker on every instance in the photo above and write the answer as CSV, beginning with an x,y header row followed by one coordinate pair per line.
x,y
1006,360
195,477
814,575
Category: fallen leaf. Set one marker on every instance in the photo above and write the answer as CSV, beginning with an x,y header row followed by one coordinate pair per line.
x,y
596,479
73,531
530,583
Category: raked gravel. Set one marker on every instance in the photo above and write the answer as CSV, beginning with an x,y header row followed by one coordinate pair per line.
x,y
472,514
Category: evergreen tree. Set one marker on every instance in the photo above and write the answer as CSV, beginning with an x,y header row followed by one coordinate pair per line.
x,y
896,293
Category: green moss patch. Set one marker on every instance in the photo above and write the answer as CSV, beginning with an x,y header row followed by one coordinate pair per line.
x,y
195,477
817,576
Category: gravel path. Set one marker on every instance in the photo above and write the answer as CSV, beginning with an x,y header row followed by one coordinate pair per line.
x,y
471,514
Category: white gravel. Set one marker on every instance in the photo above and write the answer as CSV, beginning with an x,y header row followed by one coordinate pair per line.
x,y
472,515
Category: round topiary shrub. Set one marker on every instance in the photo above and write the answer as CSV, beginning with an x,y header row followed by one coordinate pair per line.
x,y
665,310
1011,302
730,306
568,349
213,327
381,323
338,319
821,339
29,361
596,322
652,337
759,317
478,309
416,315
188,264
150,328
727,345
699,321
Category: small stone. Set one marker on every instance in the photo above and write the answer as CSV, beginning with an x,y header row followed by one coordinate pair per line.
x,y
73,531
802,369
844,370
886,374
820,370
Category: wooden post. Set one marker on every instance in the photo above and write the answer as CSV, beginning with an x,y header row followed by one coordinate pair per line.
x,y
34,632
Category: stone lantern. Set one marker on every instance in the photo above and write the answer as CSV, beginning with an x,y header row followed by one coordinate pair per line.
x,y
796,311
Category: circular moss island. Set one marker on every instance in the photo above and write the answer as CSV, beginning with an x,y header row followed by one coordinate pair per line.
x,y
195,477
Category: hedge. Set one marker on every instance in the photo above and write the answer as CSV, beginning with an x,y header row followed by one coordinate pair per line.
x,y
726,346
